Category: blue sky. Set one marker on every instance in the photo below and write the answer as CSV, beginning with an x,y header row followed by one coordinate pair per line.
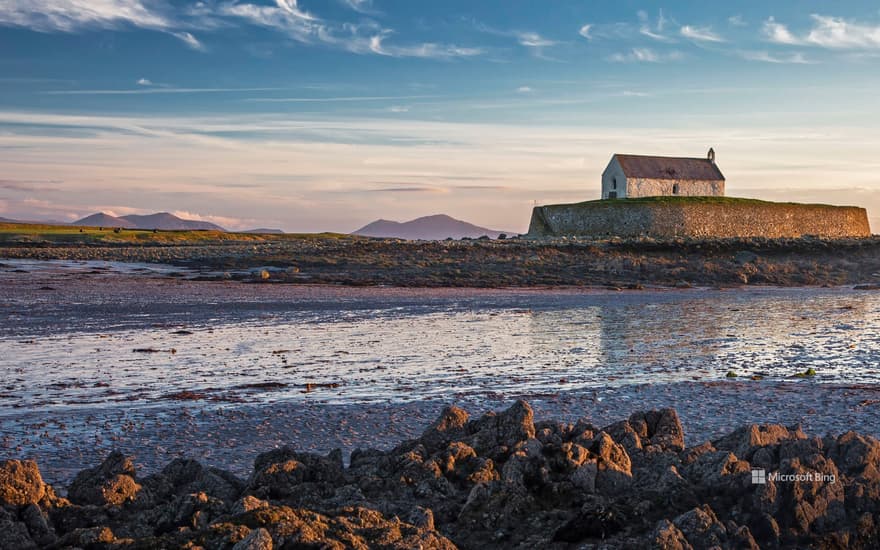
x,y
325,115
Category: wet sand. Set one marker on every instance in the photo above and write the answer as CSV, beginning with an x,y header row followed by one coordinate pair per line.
x,y
51,300
64,443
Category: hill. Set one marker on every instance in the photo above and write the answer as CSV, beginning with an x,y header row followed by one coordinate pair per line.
x,y
264,231
427,228
164,220
105,220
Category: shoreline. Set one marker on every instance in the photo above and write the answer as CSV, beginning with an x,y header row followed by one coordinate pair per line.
x,y
229,436
509,263
510,478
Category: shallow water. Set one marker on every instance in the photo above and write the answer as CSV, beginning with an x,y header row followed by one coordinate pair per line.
x,y
73,346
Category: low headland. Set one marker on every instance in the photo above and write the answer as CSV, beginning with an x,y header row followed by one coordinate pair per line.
x,y
614,262
502,480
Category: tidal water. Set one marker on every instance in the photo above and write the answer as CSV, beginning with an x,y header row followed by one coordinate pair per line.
x,y
101,339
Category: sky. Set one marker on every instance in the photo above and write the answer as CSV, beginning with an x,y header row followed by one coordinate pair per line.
x,y
324,115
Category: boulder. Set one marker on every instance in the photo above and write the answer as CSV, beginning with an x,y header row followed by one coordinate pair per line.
x,y
744,441
185,476
111,483
613,464
20,483
281,472
449,427
257,539
496,433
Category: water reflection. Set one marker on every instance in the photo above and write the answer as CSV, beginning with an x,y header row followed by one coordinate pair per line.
x,y
530,343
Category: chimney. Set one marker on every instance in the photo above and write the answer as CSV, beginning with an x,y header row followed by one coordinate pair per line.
x,y
711,155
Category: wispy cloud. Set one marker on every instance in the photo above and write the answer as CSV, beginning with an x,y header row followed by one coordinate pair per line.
x,y
367,37
77,15
827,32
361,6
700,34
404,190
585,31
534,40
344,99
524,90
645,55
767,57
190,40
653,30
428,50
531,40
144,82
399,109
837,32
362,38
779,33
146,89
737,21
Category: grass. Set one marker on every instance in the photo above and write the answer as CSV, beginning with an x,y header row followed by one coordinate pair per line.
x,y
19,233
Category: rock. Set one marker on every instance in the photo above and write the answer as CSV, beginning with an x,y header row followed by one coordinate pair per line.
x,y
663,429
37,525
596,519
856,455
701,528
258,539
614,465
246,504
496,433
422,518
584,477
501,481
669,537
344,528
20,483
810,497
92,537
185,476
15,535
745,257
450,426
111,483
744,441
279,473
713,468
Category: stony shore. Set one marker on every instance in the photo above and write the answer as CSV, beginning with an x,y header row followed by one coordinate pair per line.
x,y
502,480
483,263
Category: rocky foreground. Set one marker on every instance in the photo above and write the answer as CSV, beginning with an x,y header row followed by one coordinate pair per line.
x,y
616,263
499,481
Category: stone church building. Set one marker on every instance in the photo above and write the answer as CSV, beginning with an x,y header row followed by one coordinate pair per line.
x,y
632,176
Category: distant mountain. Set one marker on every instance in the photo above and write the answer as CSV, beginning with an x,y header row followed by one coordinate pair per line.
x,y
105,220
163,220
435,227
264,231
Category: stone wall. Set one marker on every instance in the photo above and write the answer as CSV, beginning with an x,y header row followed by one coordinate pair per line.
x,y
648,187
700,218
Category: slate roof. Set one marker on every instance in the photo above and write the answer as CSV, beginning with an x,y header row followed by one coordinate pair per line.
x,y
669,168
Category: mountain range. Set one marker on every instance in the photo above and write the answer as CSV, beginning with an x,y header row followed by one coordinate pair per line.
x,y
162,220
437,227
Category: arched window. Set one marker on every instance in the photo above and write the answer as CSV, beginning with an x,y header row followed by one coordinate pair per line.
x,y
675,189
